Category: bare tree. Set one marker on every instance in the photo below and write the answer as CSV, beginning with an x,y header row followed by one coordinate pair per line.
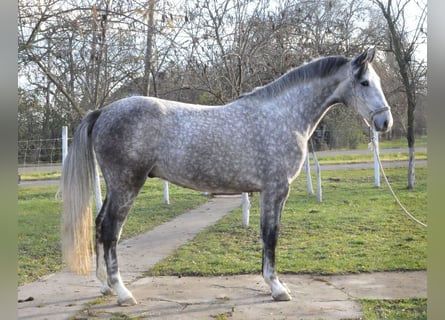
x,y
227,46
78,53
403,42
148,48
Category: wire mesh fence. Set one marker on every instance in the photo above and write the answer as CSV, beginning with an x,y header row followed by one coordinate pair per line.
x,y
39,152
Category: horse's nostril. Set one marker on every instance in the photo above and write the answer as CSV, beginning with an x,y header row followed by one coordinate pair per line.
x,y
381,126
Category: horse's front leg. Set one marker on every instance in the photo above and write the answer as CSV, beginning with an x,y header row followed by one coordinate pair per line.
x,y
272,203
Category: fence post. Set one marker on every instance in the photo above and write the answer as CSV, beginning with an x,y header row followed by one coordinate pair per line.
x,y
307,167
246,208
166,195
64,142
376,160
318,170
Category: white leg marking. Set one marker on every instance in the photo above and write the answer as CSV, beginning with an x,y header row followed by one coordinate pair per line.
x,y
280,292
124,296
101,272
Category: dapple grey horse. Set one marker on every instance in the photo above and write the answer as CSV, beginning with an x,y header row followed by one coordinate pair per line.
x,y
256,143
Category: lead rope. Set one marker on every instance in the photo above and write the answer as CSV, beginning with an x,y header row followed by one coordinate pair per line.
x,y
372,145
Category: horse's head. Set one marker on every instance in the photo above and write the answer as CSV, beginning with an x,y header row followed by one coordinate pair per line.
x,y
366,94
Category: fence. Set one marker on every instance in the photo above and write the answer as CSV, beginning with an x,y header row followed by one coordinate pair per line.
x,y
39,152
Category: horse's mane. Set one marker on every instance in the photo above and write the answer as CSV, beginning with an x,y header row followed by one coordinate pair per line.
x,y
320,68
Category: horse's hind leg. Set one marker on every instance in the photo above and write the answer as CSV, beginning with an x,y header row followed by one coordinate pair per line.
x,y
272,203
109,227
101,268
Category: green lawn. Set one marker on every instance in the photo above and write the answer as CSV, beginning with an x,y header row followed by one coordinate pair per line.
x,y
39,222
357,228
369,157
421,141
403,309
38,233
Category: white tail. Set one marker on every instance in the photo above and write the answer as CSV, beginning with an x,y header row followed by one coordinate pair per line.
x,y
76,185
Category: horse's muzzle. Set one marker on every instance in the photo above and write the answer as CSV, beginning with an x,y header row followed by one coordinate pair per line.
x,y
382,119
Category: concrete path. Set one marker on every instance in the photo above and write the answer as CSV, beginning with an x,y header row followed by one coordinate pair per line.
x,y
247,297
64,295
61,295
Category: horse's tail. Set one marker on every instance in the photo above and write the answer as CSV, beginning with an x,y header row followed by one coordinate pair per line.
x,y
76,185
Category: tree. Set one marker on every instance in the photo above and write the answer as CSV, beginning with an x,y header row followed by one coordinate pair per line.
x,y
78,53
403,43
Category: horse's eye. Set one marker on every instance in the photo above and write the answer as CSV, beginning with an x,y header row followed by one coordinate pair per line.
x,y
365,83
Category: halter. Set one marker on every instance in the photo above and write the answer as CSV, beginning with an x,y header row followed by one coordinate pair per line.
x,y
378,111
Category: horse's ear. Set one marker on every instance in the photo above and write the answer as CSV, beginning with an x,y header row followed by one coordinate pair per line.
x,y
365,56
371,55
360,62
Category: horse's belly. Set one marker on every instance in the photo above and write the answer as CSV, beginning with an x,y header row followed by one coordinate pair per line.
x,y
213,181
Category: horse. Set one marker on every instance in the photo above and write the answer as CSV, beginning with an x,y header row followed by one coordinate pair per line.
x,y
256,143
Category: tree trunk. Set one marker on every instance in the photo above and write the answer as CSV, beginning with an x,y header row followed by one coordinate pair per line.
x,y
149,48
411,99
403,55
411,169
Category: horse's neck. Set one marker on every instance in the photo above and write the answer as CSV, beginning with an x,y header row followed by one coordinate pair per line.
x,y
310,103
302,106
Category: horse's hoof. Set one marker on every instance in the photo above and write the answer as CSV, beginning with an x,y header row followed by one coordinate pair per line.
x,y
282,296
128,301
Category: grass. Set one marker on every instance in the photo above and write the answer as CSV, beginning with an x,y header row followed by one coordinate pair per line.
x,y
357,228
40,175
369,157
38,233
409,309
421,141
39,223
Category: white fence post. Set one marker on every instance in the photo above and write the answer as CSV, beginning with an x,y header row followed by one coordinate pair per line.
x,y
376,160
166,195
307,166
246,208
318,169
64,142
